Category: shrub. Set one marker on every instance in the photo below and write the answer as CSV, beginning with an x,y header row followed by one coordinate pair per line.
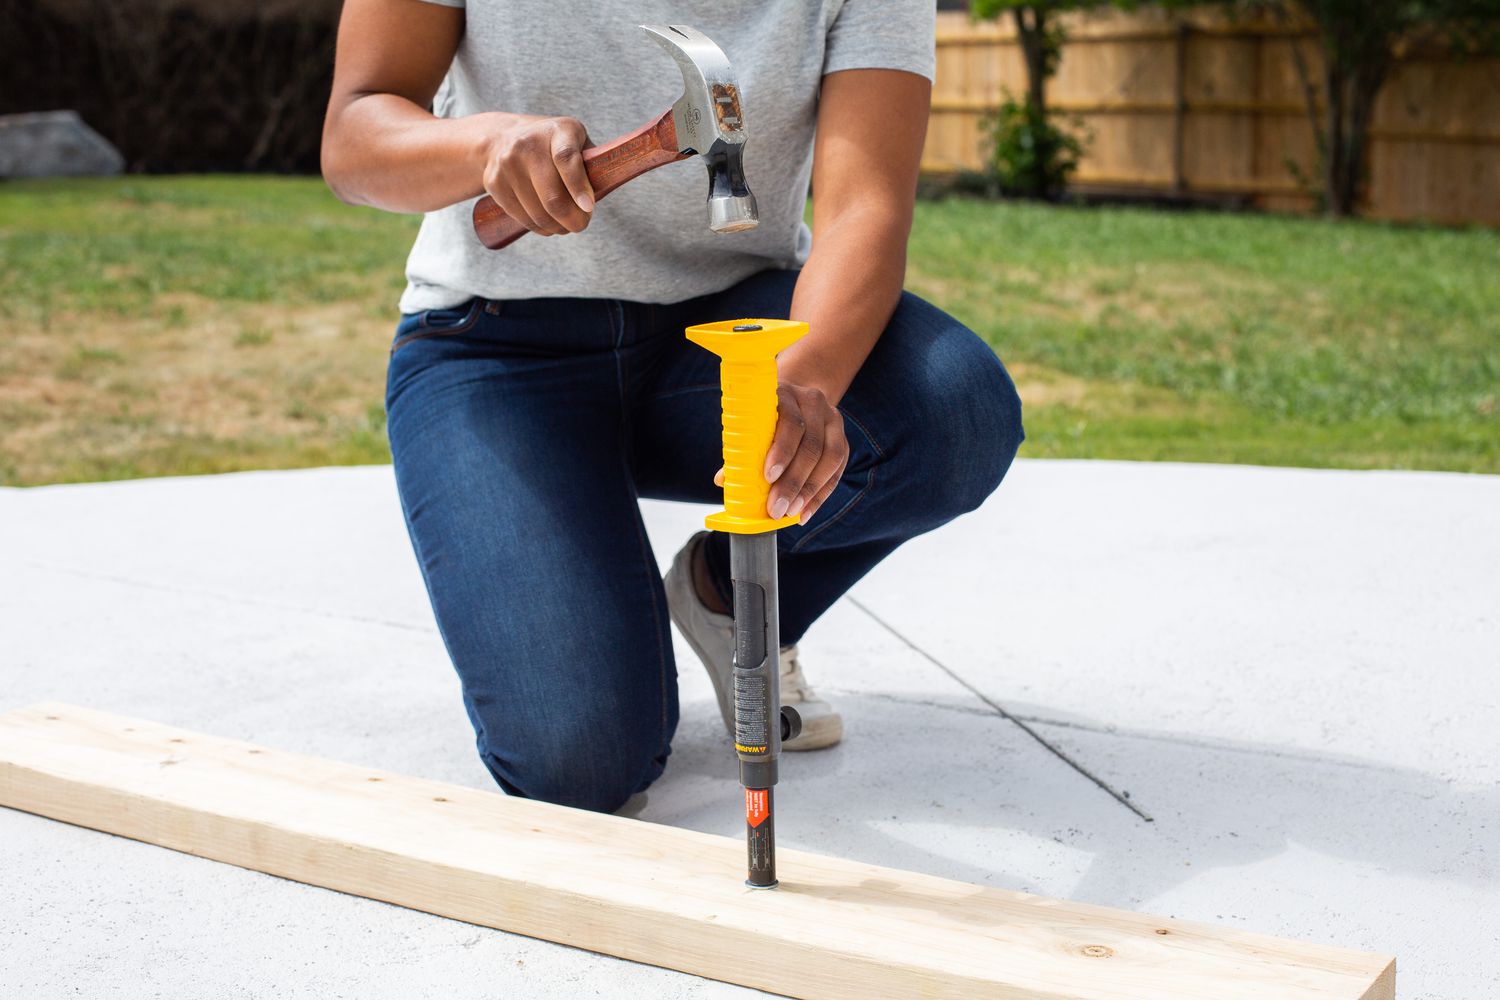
x,y
1029,152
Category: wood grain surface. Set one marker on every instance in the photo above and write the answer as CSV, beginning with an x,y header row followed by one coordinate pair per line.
x,y
637,890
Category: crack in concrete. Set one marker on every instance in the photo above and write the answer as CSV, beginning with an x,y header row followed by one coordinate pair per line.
x,y
1023,722
1010,717
1301,756
899,699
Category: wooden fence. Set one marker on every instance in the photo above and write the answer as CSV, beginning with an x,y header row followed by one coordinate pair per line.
x,y
1204,106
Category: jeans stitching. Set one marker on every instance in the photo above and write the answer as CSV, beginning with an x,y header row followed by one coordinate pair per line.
x,y
854,500
422,332
656,616
617,314
617,320
481,736
863,430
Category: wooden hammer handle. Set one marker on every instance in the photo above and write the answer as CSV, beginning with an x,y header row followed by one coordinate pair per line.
x,y
608,166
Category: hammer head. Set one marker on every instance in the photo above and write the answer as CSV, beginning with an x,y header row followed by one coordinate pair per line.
x,y
709,122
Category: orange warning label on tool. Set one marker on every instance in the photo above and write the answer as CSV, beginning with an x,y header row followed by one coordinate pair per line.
x,y
757,806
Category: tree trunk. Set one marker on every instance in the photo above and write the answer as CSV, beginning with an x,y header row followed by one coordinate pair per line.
x,y
1361,109
1334,150
1033,38
1350,92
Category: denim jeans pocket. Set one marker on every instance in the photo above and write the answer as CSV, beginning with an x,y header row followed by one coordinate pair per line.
x,y
437,323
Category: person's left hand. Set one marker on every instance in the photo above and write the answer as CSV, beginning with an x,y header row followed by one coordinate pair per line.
x,y
807,454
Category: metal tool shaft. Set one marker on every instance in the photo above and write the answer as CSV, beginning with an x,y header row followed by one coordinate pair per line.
x,y
747,350
757,693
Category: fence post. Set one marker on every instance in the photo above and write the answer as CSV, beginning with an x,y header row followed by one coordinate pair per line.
x,y
1179,112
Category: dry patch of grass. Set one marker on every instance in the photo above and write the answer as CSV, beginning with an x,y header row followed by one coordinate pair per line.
x,y
1042,387
178,325
195,386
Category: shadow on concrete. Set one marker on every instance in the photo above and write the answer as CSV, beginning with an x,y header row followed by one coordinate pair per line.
x,y
968,777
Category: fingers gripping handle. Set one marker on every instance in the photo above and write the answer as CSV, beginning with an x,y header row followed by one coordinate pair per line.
x,y
747,349
608,166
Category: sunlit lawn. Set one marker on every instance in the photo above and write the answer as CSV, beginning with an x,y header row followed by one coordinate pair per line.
x,y
171,325
1215,337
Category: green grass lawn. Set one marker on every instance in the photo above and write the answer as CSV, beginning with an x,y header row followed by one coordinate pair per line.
x,y
1230,338
173,325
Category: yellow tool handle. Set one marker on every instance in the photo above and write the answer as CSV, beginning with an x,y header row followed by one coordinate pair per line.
x,y
747,350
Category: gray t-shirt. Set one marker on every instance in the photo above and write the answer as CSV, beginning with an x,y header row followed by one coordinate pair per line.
x,y
649,241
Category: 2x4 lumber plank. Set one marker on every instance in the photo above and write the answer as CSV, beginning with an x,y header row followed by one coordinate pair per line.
x,y
649,893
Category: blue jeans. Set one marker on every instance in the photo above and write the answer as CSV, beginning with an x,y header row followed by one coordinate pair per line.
x,y
525,431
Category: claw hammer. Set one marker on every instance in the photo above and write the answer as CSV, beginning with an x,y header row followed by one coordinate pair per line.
x,y
706,120
747,350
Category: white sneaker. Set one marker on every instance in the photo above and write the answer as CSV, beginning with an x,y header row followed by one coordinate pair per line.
x,y
712,637
821,725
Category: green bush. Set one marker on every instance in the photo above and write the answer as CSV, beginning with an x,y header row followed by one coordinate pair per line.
x,y
1028,153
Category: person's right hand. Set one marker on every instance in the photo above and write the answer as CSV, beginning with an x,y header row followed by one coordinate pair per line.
x,y
534,171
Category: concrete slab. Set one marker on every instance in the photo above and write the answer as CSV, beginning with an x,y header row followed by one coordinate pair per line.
x,y
1291,672
1347,612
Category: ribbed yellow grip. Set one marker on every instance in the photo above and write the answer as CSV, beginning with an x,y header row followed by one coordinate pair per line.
x,y
747,349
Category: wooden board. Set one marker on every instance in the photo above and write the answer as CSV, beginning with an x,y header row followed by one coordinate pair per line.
x,y
655,894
